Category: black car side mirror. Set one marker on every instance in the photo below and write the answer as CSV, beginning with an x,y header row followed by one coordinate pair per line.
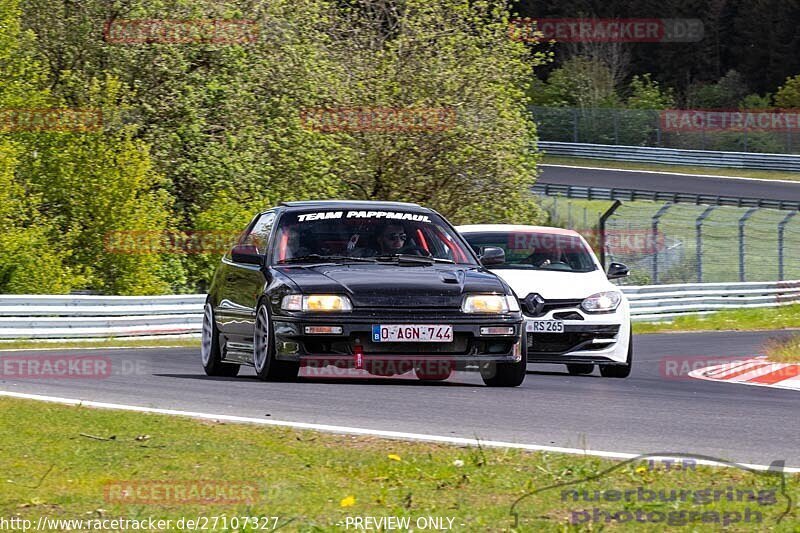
x,y
492,255
617,270
246,253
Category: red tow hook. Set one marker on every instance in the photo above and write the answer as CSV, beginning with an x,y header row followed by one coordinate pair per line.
x,y
358,352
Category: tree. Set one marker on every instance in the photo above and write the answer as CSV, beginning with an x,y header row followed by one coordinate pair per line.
x,y
584,82
27,262
788,95
647,94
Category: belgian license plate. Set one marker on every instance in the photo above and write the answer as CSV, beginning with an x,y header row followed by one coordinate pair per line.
x,y
412,333
544,326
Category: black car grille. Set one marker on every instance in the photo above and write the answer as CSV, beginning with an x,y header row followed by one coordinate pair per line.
x,y
530,308
569,341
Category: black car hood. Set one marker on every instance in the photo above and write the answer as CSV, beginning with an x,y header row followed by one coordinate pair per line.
x,y
392,285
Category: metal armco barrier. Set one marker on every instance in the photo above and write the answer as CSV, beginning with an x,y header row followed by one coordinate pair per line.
x,y
62,317
674,156
650,303
75,317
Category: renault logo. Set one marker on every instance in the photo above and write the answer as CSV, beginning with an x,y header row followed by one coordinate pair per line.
x,y
535,304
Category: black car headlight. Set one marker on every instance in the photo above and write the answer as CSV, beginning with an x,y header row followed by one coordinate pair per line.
x,y
602,302
325,303
489,304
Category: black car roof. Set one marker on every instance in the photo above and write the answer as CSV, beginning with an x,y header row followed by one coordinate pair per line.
x,y
350,203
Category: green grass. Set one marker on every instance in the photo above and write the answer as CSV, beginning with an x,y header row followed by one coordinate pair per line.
x,y
784,317
57,460
680,169
785,350
100,343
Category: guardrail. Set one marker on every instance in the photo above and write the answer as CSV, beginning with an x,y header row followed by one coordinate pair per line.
x,y
633,195
62,317
674,156
662,302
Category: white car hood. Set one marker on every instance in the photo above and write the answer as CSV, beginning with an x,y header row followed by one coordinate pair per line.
x,y
552,284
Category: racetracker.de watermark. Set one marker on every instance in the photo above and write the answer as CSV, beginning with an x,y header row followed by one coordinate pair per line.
x,y
378,119
208,492
50,119
169,241
678,367
606,30
704,120
401,367
169,31
69,367
621,241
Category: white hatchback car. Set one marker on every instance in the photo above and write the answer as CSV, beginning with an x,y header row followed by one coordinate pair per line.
x,y
574,315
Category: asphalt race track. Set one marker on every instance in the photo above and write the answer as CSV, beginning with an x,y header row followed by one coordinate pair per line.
x,y
678,183
646,413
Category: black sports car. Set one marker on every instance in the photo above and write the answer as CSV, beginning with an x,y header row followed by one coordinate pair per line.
x,y
385,287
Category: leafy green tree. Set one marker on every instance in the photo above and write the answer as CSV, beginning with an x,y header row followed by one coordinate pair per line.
x,y
28,263
726,93
788,95
646,93
584,82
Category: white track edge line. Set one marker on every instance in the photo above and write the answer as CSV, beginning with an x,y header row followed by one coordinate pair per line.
x,y
2,350
792,182
399,435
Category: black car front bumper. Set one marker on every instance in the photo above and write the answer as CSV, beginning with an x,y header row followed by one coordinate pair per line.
x,y
354,344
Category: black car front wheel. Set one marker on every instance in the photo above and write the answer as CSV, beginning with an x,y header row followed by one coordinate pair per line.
x,y
268,368
506,374
210,352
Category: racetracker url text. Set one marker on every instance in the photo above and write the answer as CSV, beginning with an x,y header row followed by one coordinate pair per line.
x,y
198,523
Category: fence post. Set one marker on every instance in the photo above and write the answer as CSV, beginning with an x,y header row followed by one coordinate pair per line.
x,y
698,224
555,209
658,129
602,230
569,214
656,219
574,125
742,221
781,228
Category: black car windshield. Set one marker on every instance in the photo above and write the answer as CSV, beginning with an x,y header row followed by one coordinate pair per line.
x,y
365,235
536,250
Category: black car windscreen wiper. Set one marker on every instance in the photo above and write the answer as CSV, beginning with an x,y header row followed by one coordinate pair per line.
x,y
318,258
412,258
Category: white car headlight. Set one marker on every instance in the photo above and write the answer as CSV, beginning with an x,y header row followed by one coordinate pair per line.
x,y
602,302
316,302
489,303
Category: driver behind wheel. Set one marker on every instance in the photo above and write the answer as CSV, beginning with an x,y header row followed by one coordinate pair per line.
x,y
391,239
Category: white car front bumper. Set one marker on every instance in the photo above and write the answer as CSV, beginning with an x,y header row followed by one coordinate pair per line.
x,y
596,338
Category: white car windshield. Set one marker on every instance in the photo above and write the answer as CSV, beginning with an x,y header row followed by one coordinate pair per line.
x,y
535,250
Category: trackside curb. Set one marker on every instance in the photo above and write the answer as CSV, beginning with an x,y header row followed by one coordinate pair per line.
x,y
755,371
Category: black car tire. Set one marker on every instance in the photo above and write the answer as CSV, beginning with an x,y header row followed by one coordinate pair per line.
x,y
506,374
267,367
579,369
210,353
620,371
